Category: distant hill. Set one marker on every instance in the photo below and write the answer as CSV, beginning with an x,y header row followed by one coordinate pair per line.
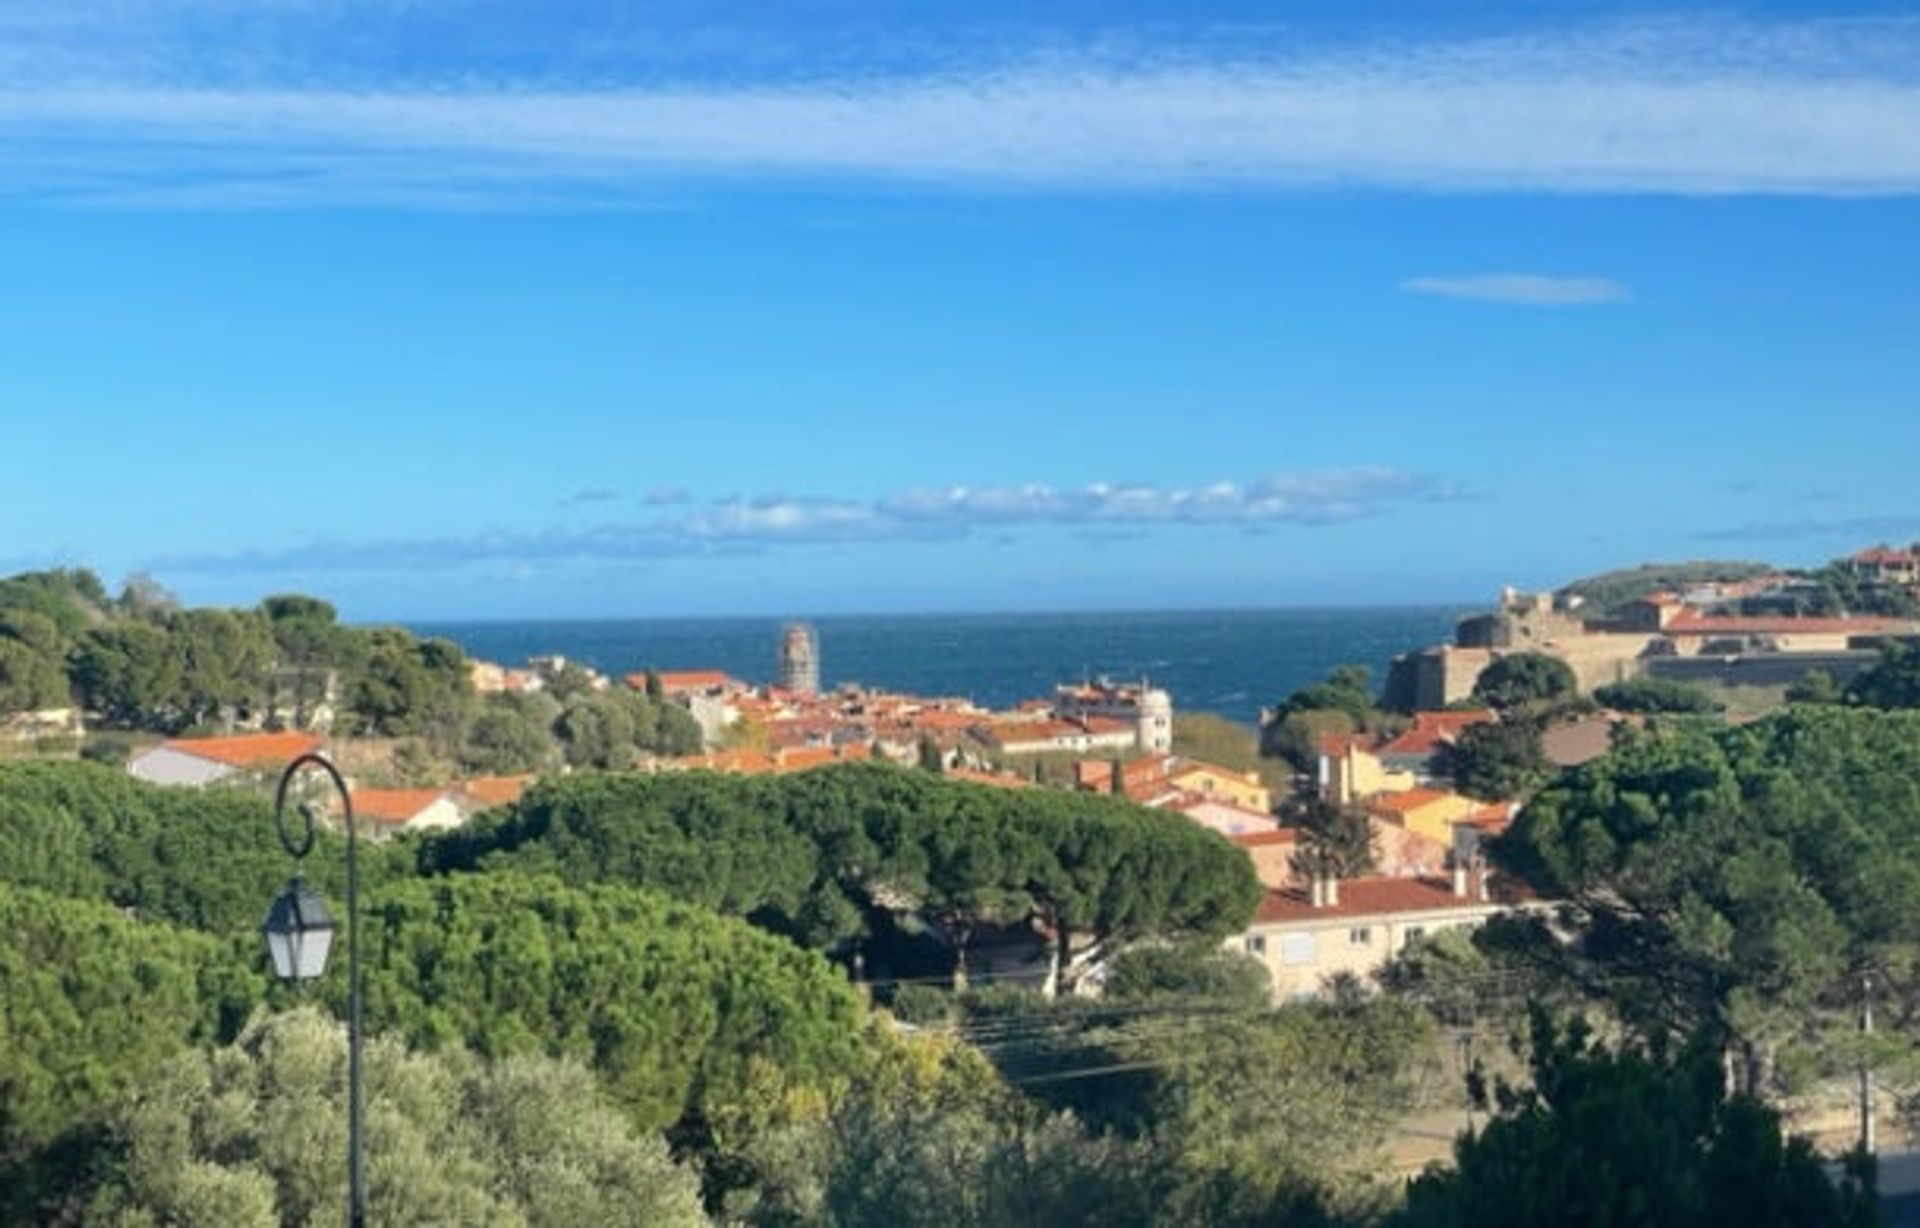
x,y
1610,590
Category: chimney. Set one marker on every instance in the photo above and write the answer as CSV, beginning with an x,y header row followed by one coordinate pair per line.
x,y
1460,884
1333,891
1316,891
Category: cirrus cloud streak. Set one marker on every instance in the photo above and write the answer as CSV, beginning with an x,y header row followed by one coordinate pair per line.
x,y
744,524
1816,108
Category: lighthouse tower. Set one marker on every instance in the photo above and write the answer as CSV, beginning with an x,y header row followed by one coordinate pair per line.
x,y
1154,720
800,659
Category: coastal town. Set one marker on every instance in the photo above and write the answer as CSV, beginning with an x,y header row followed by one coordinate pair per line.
x,y
1396,773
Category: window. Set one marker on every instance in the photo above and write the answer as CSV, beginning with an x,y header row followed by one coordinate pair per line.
x,y
1360,937
1414,933
1256,944
1297,949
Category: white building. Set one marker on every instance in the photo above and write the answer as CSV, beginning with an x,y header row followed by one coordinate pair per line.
x,y
392,810
1306,935
1146,709
197,762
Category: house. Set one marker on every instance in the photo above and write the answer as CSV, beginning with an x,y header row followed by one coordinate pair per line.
x,y
1305,935
1272,855
1026,737
683,682
486,792
391,810
1146,711
1349,770
197,762
1884,565
1427,812
1242,789
1418,748
42,723
1223,816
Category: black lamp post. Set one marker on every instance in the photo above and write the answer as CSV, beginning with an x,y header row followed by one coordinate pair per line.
x,y
299,933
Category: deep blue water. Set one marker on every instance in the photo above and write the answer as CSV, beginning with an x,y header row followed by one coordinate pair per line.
x,y
1226,661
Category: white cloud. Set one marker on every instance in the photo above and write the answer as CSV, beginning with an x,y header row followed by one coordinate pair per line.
x,y
1529,289
732,525
1822,108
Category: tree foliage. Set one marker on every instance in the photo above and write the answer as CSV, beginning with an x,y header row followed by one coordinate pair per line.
x,y
667,1002
93,1004
1737,878
1610,592
200,858
1335,841
819,855
33,673
1525,680
1628,1140
253,1136
410,687
1892,682
1656,695
1498,760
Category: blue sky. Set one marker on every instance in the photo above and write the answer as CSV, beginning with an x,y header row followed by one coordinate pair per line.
x,y
450,308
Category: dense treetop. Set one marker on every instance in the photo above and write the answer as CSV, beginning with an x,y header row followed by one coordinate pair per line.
x,y
1605,1139
1738,877
816,854
93,1004
670,1003
202,858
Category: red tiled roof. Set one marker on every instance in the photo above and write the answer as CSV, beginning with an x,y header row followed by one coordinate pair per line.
x,y
1408,801
495,790
393,805
1431,730
1262,839
1336,745
1886,557
1196,767
1364,897
1689,623
249,750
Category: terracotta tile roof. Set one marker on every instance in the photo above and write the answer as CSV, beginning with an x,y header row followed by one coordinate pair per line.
x,y
393,805
495,790
1409,800
1365,897
1886,557
249,750
1338,745
1492,817
1432,730
690,679
1263,839
1194,767
940,720
1689,623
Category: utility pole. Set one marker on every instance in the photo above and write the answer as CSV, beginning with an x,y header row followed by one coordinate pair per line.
x,y
1868,1141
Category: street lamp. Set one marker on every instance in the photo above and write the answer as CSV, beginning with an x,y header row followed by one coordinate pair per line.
x,y
299,933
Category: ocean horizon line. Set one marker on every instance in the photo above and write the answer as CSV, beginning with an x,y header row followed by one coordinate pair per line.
x,y
1325,607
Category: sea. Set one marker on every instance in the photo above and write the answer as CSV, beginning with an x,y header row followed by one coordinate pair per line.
x,y
1230,662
